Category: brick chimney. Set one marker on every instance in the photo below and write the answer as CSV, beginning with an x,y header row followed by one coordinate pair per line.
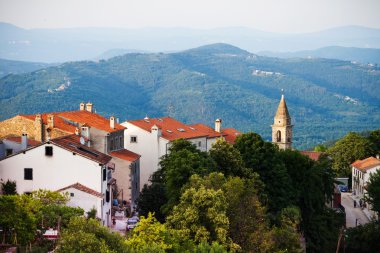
x,y
38,133
89,107
218,125
50,120
112,122
81,106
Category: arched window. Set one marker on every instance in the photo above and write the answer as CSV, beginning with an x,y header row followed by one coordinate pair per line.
x,y
278,136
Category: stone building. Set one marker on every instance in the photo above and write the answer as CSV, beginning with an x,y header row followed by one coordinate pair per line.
x,y
282,128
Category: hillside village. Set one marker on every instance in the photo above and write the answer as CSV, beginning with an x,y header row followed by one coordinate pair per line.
x,y
103,165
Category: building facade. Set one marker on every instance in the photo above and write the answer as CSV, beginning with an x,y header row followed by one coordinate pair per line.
x,y
57,164
151,138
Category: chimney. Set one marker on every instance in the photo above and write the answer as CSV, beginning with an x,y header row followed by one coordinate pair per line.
x,y
50,120
81,106
24,141
76,131
218,125
157,130
89,107
38,133
112,122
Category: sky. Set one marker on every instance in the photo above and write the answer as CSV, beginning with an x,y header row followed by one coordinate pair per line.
x,y
285,16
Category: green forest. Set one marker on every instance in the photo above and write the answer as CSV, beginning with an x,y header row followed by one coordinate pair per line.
x,y
246,197
326,98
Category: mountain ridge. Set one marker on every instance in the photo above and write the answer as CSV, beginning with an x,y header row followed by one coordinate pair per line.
x,y
326,98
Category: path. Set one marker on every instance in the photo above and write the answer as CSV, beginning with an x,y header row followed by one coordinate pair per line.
x,y
353,214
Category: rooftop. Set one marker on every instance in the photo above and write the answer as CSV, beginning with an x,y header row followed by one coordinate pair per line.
x,y
17,139
366,164
71,143
171,128
125,155
82,188
68,121
313,155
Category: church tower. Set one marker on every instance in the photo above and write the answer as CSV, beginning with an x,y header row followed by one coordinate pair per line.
x,y
282,126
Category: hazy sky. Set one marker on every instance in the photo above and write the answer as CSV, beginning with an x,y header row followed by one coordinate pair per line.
x,y
287,16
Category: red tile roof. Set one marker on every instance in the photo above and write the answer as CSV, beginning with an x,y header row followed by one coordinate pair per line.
x,y
18,140
64,121
91,119
366,164
313,155
171,128
210,131
230,134
82,188
125,155
58,122
71,143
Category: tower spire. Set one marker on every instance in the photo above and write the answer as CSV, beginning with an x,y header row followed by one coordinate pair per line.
x,y
282,127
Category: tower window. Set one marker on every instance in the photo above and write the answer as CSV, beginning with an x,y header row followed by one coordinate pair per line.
x,y
278,136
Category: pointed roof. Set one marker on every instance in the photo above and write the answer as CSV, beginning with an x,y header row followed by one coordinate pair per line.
x,y
282,110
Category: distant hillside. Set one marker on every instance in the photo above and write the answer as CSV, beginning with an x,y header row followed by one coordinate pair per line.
x,y
18,67
60,45
326,98
117,52
360,55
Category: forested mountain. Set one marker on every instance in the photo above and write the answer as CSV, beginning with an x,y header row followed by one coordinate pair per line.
x,y
17,67
73,44
362,55
326,98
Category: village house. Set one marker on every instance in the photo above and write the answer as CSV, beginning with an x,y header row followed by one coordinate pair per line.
x,y
151,139
93,130
60,164
361,172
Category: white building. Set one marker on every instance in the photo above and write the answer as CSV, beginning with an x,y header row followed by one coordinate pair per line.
x,y
361,172
151,139
60,163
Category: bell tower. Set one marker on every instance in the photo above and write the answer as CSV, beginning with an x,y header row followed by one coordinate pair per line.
x,y
282,126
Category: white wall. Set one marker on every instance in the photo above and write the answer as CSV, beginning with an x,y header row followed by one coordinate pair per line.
x,y
53,172
85,201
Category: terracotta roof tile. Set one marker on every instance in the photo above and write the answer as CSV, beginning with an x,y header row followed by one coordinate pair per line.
x,y
58,122
82,188
230,134
68,121
125,155
313,155
91,119
71,143
366,164
210,131
171,128
18,140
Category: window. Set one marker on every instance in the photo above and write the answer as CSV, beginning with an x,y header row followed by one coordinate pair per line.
x,y
49,151
278,136
28,174
71,194
104,174
9,151
133,139
107,196
199,143
111,147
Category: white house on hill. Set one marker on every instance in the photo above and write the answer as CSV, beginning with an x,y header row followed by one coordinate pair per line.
x,y
60,163
151,139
